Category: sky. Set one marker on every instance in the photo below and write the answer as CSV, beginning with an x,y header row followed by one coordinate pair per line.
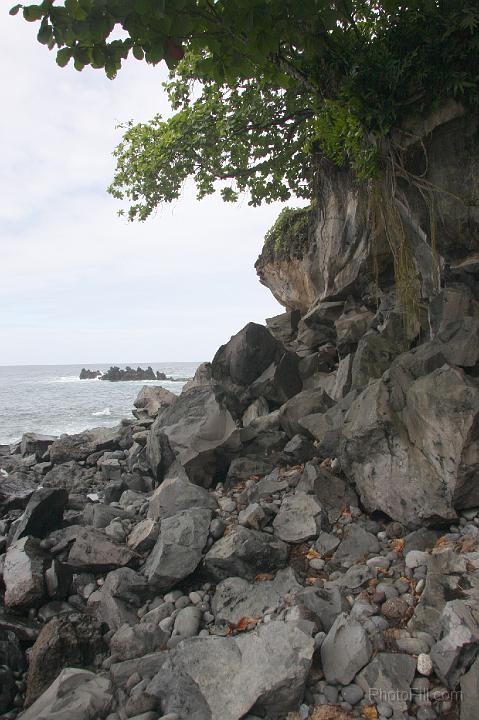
x,y
78,284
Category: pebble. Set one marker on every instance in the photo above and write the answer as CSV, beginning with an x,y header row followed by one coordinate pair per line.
x,y
424,664
384,709
415,558
217,528
352,694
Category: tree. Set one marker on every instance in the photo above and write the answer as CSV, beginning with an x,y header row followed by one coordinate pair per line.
x,y
279,81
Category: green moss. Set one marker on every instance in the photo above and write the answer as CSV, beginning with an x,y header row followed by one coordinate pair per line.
x,y
290,233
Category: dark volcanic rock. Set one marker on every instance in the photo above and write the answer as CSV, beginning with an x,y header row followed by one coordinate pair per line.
x,y
114,374
89,374
64,641
81,445
245,553
43,513
246,356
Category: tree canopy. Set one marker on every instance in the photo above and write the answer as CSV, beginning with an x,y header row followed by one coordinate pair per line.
x,y
261,86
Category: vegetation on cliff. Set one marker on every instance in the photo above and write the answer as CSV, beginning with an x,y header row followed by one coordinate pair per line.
x,y
261,87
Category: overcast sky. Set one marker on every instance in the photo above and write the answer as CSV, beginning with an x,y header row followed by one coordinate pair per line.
x,y
77,283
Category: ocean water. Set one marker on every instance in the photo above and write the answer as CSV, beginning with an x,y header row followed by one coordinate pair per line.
x,y
52,399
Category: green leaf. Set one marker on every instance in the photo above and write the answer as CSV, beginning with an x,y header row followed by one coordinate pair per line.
x,y
32,12
138,52
64,56
14,10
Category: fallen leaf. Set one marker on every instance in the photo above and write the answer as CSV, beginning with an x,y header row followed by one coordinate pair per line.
x,y
313,554
468,545
244,624
370,712
264,576
398,545
311,581
330,712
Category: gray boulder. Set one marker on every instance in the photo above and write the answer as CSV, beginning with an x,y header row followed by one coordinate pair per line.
x,y
93,550
302,404
236,598
244,675
138,640
74,695
470,692
245,553
331,491
176,494
299,518
16,489
23,571
326,427
345,650
387,679
323,604
246,356
179,547
458,646
197,427
143,536
35,444
80,446
356,544
417,461
279,382
43,513
117,602
151,399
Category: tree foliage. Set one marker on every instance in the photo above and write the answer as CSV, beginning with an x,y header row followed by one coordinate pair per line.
x,y
260,85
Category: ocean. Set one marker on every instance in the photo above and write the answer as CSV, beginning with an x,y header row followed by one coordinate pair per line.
x,y
52,399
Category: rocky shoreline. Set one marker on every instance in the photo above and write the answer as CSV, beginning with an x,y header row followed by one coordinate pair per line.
x,y
116,374
297,534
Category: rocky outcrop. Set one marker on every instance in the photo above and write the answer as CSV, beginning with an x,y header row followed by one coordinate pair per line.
x,y
336,259
86,374
115,374
150,400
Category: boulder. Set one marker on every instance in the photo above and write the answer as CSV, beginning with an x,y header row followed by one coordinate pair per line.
x,y
35,444
16,489
23,574
74,695
279,382
115,374
352,324
324,604
179,547
345,650
151,399
387,679
258,408
196,426
135,641
246,356
143,536
202,376
299,518
236,598
93,550
80,446
373,356
326,427
176,494
458,646
284,327
245,553
302,404
43,513
470,692
72,640
332,492
244,675
355,545
121,594
416,463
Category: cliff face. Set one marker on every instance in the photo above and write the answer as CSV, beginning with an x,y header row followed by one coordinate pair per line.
x,y
339,257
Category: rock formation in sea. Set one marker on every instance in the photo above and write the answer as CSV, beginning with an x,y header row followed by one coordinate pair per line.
x,y
89,374
297,534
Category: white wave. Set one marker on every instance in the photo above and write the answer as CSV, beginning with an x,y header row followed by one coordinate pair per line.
x,y
102,413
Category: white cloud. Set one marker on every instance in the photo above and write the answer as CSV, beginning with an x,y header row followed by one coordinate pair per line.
x,y
76,281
